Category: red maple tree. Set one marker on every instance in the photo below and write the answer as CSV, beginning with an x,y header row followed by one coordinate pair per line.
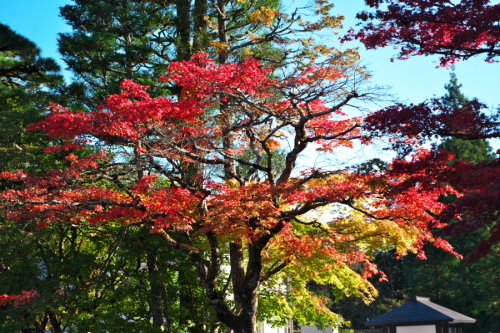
x,y
202,170
454,30
24,297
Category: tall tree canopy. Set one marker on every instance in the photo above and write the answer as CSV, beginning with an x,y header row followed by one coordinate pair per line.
x,y
109,42
473,151
129,39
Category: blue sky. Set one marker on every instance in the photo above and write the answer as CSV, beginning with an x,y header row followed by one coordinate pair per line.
x,y
37,20
411,80
418,78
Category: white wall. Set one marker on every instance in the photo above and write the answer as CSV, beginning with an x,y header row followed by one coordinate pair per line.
x,y
266,328
312,329
416,329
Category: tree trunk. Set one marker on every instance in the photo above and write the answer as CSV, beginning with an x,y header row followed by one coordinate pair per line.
x,y
56,326
221,24
201,39
158,293
183,27
189,302
237,274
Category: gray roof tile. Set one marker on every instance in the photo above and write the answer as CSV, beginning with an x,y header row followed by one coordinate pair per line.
x,y
420,310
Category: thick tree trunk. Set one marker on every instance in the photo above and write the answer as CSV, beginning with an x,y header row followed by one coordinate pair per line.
x,y
158,294
56,326
183,27
221,24
245,287
248,321
237,274
189,303
201,40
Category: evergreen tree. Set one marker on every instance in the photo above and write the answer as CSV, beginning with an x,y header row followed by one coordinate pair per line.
x,y
21,63
448,280
28,82
130,39
472,151
112,41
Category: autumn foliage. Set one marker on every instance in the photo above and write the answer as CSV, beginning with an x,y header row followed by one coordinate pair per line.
x,y
17,300
453,29
202,171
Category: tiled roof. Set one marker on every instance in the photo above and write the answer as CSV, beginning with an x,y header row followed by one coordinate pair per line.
x,y
420,310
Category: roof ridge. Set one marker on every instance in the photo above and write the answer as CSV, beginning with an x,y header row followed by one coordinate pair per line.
x,y
420,309
448,312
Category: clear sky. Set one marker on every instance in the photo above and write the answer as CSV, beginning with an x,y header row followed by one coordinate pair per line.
x,y
418,78
411,80
38,20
